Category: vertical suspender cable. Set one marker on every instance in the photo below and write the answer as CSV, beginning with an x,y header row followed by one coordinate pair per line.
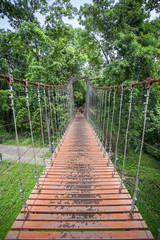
x,y
148,85
55,117
126,137
42,131
59,107
97,122
51,118
101,114
106,143
61,111
11,81
105,105
110,140
118,132
88,102
31,131
47,122
72,112
58,120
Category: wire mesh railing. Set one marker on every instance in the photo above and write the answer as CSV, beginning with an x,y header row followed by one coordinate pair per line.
x,y
121,117
42,114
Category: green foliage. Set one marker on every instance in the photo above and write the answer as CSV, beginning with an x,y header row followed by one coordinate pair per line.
x,y
18,11
128,39
79,92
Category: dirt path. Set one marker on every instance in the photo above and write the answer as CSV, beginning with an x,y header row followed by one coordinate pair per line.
x,y
9,152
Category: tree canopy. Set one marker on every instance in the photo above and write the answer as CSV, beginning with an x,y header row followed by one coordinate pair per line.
x,y
118,43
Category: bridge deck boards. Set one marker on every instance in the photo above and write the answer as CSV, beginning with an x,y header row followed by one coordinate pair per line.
x,y
78,196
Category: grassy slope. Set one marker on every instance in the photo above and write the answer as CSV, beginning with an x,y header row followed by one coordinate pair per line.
x,y
10,199
9,139
149,186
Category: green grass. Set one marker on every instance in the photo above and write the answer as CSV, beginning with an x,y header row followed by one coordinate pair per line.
x,y
9,139
149,186
23,141
10,198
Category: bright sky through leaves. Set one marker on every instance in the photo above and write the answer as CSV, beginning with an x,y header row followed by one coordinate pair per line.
x,y
76,3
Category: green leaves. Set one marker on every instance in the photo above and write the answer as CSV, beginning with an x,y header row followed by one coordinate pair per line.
x,y
4,101
19,10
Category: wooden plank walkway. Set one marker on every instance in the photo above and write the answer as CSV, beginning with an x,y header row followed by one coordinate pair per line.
x,y
78,197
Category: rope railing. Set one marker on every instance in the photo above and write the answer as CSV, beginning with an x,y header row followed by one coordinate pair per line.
x,y
49,110
117,119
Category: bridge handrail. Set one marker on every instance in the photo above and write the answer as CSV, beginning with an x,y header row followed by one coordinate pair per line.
x,y
131,84
37,84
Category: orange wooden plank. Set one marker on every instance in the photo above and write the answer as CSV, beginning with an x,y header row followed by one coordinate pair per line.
x,y
79,217
107,235
85,225
50,187
79,196
74,209
78,191
75,202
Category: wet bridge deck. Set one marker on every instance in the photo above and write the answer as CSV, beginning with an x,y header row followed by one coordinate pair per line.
x,y
78,197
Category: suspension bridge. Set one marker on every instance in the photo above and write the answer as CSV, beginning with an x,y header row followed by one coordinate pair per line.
x,y
80,194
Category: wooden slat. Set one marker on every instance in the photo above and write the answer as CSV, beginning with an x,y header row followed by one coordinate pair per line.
x,y
74,209
95,235
80,217
75,181
78,191
84,202
79,196
85,225
50,187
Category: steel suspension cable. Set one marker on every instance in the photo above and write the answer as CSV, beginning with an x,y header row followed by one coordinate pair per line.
x,y
93,107
71,101
87,101
118,132
142,143
42,130
61,111
58,114
51,119
11,81
97,115
55,118
104,117
31,131
101,114
106,143
47,121
110,140
126,137
92,104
